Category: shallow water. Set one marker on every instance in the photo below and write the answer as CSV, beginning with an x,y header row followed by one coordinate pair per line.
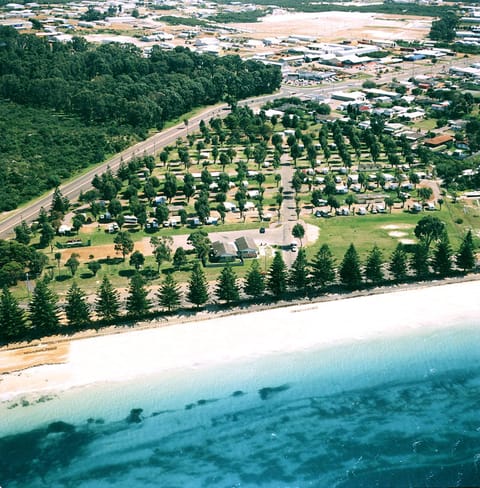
x,y
389,412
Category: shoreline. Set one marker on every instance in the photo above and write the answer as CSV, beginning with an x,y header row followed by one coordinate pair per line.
x,y
208,339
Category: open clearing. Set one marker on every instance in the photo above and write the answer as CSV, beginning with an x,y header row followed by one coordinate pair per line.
x,y
330,26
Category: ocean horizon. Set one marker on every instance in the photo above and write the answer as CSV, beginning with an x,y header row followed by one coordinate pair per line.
x,y
383,411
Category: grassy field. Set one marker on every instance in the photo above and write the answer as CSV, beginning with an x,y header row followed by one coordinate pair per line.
x,y
119,271
386,230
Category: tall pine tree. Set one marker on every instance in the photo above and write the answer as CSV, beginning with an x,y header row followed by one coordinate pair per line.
x,y
277,276
323,267
43,310
398,265
419,260
169,293
107,304
137,299
12,318
350,272
373,266
254,284
298,275
227,287
442,256
465,258
197,286
77,309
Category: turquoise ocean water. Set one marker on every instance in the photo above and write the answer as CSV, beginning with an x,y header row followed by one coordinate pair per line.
x,y
396,412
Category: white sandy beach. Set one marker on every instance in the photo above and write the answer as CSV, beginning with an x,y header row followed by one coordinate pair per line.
x,y
195,344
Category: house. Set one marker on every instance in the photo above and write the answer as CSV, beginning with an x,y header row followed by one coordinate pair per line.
x,y
385,112
355,96
222,252
246,248
413,116
410,135
375,92
391,127
457,124
440,107
365,124
273,113
438,140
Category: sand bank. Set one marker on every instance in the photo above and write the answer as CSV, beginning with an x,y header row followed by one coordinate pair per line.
x,y
135,353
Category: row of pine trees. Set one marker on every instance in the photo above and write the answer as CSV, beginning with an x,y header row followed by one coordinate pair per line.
x,y
45,317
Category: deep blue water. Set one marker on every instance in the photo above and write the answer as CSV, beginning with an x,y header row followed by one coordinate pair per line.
x,y
392,412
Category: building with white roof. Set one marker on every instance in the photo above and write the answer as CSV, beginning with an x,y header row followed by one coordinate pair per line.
x,y
354,96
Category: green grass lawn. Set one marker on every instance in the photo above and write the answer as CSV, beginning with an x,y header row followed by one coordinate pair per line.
x,y
426,124
338,232
363,231
118,272
366,230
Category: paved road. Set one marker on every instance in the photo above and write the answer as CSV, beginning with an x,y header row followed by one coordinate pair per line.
x,y
151,146
72,189
155,143
288,215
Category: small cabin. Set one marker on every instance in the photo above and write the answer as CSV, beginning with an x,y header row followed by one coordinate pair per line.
x,y
246,248
222,252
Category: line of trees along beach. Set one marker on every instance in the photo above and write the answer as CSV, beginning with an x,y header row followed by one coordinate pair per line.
x,y
432,257
76,102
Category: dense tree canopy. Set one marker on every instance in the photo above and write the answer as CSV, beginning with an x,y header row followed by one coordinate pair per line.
x,y
444,28
94,100
16,259
429,229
